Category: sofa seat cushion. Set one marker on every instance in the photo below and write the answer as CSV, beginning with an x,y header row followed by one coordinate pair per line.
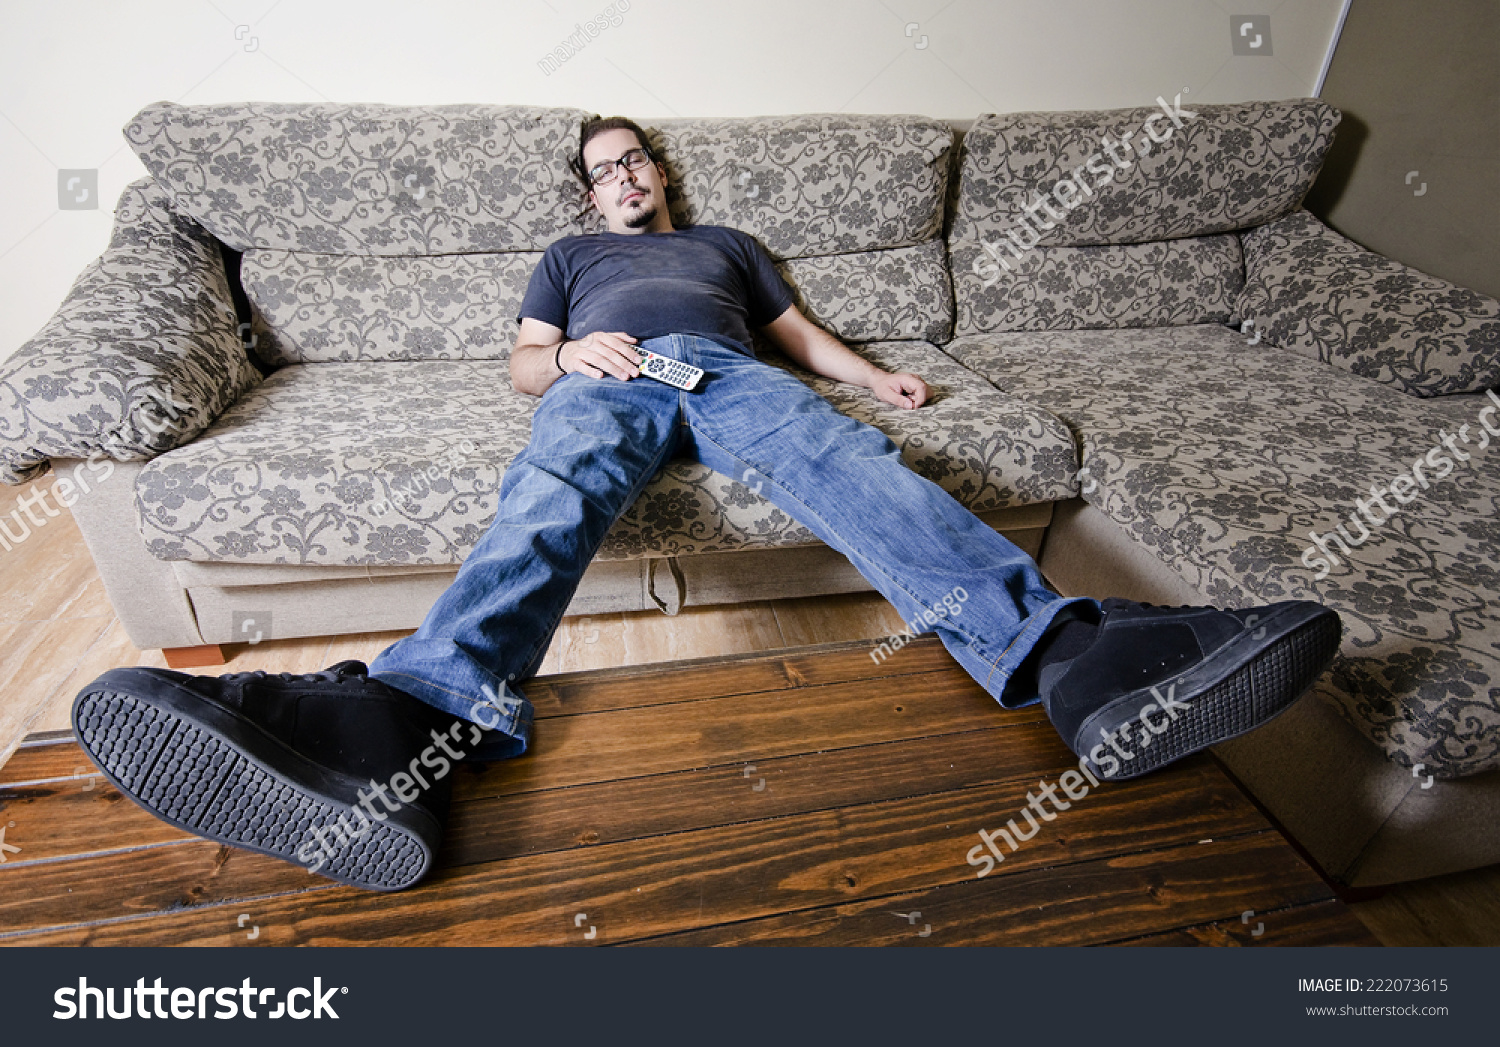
x,y
399,463
1225,458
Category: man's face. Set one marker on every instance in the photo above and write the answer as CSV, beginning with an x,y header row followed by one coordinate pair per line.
x,y
632,201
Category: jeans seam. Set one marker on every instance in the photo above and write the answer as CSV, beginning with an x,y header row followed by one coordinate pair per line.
x,y
1013,642
968,638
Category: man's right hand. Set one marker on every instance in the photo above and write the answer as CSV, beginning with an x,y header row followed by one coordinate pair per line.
x,y
601,353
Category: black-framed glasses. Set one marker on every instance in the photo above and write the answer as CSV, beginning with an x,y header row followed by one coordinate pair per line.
x,y
606,171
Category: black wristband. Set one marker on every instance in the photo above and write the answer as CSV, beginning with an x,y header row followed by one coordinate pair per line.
x,y
557,357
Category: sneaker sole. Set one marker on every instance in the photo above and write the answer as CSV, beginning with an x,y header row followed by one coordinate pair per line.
x,y
206,770
1245,684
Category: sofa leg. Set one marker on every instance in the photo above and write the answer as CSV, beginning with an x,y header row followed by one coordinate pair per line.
x,y
194,657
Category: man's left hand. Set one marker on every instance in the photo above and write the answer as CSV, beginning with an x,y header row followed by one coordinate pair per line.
x,y
901,389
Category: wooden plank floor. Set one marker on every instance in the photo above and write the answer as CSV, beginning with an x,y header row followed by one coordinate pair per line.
x,y
803,796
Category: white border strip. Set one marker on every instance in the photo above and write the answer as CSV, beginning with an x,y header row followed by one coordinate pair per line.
x,y
1332,46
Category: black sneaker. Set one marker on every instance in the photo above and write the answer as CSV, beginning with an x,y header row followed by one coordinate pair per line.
x,y
293,766
1160,683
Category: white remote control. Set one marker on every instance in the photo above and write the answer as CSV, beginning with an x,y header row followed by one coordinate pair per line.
x,y
672,372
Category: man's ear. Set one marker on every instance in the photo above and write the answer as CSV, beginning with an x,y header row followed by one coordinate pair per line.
x,y
661,169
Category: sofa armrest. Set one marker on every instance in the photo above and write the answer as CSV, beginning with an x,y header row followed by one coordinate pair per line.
x,y
141,356
1316,292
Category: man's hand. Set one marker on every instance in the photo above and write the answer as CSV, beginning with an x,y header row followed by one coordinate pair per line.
x,y
809,346
902,389
601,353
542,355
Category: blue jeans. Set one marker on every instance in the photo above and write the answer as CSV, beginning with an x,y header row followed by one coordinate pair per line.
x,y
596,443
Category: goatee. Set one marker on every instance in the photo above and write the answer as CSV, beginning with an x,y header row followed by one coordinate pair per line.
x,y
640,218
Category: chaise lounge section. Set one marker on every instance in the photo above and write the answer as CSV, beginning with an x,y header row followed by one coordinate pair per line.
x,y
1234,395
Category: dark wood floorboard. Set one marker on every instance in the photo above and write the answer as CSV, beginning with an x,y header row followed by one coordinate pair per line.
x,y
666,883
1321,923
1083,903
795,797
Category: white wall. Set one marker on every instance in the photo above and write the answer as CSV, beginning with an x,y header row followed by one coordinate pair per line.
x,y
71,75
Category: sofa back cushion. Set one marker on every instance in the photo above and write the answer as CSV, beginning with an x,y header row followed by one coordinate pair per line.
x,y
367,179
810,185
408,233
1318,293
373,232
321,308
1047,203
850,207
140,357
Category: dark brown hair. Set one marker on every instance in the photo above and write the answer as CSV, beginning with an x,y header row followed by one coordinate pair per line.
x,y
598,126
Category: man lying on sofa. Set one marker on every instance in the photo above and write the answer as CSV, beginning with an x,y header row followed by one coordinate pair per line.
x,y
347,770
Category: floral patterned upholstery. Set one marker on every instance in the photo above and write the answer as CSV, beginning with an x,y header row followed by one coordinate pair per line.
x,y
1318,293
343,308
900,293
1165,283
399,463
366,179
329,202
852,205
810,185
142,355
329,308
1221,457
1222,168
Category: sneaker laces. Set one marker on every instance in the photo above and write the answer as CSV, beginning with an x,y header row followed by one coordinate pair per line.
x,y
334,673
1120,602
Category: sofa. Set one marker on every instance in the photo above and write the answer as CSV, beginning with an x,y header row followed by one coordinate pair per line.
x,y
280,398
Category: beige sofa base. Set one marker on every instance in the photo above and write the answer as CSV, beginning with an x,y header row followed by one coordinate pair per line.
x,y
380,601
1364,819
186,604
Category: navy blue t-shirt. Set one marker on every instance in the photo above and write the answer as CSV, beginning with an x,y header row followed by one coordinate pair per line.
x,y
705,280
